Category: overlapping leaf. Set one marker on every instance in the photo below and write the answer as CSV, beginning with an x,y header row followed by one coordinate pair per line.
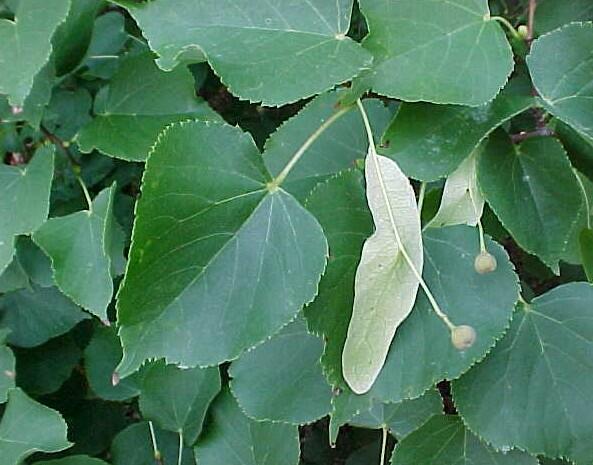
x,y
132,446
25,45
130,117
24,199
340,206
176,399
7,373
80,247
101,357
532,187
436,50
402,418
43,369
219,260
38,314
234,439
444,440
561,66
536,388
282,380
261,50
430,141
27,427
551,14
74,460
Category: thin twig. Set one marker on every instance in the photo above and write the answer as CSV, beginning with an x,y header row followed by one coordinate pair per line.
x,y
540,132
531,20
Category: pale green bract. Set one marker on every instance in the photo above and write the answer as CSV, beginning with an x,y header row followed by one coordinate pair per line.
x,y
218,262
386,284
261,49
535,390
80,247
462,201
129,118
27,427
25,45
440,51
561,66
24,199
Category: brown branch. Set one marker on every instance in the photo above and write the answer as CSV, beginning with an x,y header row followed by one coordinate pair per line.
x,y
531,20
540,132
59,143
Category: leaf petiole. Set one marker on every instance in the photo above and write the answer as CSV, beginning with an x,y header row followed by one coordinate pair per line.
x,y
506,23
278,180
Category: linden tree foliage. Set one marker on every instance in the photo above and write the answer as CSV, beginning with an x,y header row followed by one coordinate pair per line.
x,y
296,232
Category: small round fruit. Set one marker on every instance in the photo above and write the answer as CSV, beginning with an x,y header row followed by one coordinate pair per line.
x,y
523,31
485,263
463,337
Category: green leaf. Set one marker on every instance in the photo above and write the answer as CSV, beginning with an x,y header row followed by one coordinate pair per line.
x,y
24,199
234,439
430,141
402,418
345,406
281,380
586,243
462,201
109,36
101,357
340,206
421,353
36,264
43,369
579,147
67,112
532,187
7,367
437,51
34,105
386,282
261,52
335,150
533,389
73,460
560,65
38,314
444,440
14,277
79,246
133,446
129,118
25,45
176,399
551,14
218,262
29,427
74,35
